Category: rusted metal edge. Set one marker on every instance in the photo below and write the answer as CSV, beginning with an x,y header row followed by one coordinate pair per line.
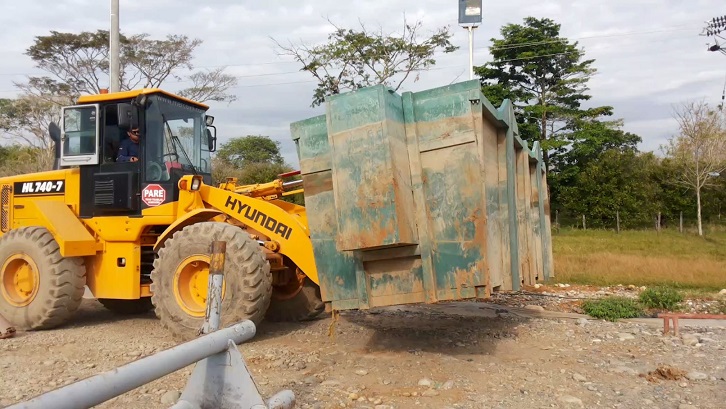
x,y
674,316
6,329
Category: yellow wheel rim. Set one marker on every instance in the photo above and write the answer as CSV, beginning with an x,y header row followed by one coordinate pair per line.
x,y
191,281
20,280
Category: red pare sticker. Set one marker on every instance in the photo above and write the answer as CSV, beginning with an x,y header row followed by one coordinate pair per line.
x,y
153,195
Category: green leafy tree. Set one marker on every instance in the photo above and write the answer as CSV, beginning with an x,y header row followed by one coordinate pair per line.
x,y
618,181
586,143
545,76
240,152
673,197
353,59
251,159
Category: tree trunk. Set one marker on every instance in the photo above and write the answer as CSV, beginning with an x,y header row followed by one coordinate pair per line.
x,y
698,204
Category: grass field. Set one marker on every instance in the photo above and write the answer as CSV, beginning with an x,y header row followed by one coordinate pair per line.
x,y
641,258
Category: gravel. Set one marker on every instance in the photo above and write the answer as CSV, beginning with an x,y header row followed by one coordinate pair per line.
x,y
414,357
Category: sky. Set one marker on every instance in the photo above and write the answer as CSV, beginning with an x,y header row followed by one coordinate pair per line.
x,y
649,54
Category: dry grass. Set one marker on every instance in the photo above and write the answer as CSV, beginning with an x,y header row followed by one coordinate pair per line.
x,y
641,258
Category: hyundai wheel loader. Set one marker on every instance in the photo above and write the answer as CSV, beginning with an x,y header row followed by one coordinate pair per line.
x,y
138,232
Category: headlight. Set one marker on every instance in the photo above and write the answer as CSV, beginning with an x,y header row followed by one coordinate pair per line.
x,y
196,183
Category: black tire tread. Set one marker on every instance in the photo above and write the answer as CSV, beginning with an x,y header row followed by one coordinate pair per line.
x,y
247,274
304,306
66,280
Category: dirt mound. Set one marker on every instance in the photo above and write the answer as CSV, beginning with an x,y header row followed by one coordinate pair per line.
x,y
665,373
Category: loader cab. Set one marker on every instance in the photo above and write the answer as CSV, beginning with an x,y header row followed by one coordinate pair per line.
x,y
176,138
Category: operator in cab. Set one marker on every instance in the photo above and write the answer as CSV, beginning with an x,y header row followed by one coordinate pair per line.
x,y
128,151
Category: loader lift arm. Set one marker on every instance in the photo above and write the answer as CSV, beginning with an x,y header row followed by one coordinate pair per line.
x,y
284,223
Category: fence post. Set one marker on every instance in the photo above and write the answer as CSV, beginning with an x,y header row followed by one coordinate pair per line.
x,y
212,316
657,223
584,226
681,224
617,220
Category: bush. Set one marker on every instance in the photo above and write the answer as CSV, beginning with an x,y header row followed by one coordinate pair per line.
x,y
661,297
613,308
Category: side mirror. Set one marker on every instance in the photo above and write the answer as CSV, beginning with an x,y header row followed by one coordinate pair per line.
x,y
209,120
140,101
55,132
212,140
128,117
55,135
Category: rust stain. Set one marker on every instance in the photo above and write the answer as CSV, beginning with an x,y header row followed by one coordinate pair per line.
x,y
444,127
317,183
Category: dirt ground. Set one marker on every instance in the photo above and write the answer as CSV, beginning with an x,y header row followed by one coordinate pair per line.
x,y
462,355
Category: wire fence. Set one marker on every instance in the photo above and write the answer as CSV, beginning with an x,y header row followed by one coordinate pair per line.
x,y
681,221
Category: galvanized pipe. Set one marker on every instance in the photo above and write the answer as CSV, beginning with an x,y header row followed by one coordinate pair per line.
x,y
212,317
102,387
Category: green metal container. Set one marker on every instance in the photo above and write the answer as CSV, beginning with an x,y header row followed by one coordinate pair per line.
x,y
422,197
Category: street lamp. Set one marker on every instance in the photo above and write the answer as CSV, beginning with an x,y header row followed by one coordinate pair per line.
x,y
470,18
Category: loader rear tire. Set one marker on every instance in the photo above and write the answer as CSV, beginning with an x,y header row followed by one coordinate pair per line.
x,y
39,288
127,307
304,306
181,274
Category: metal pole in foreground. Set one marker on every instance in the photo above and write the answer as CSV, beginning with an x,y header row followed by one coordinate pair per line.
x,y
114,66
212,316
102,387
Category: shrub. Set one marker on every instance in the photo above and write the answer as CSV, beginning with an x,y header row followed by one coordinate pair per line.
x,y
661,297
613,308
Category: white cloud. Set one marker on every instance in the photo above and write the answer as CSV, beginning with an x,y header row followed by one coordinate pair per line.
x,y
648,53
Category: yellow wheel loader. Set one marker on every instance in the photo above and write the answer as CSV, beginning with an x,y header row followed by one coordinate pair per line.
x,y
129,210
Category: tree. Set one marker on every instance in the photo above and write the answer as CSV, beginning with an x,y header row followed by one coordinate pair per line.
x,y
79,64
699,149
586,144
246,150
353,59
26,120
251,159
618,181
545,77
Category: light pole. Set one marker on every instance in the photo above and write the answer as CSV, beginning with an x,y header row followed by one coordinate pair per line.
x,y
470,18
114,49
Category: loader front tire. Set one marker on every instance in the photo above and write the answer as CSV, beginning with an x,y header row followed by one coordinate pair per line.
x,y
181,274
39,288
